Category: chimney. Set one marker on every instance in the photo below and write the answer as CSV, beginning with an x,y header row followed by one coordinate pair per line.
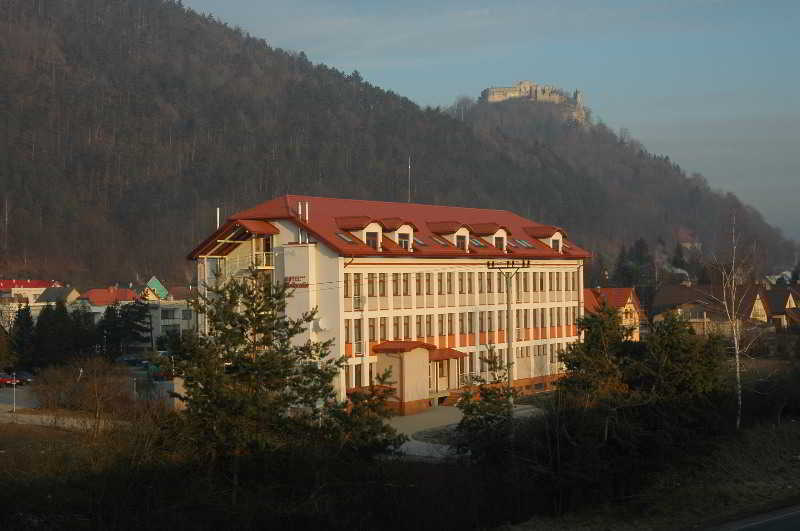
x,y
306,211
300,209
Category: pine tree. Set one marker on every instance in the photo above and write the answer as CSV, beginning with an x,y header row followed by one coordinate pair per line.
x,y
678,261
252,387
135,323
22,337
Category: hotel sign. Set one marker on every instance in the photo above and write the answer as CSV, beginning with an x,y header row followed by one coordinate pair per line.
x,y
298,281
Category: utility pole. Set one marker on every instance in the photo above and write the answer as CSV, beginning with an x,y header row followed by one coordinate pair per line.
x,y
409,178
509,269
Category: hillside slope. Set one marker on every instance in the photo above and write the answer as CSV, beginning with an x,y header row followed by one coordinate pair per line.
x,y
124,123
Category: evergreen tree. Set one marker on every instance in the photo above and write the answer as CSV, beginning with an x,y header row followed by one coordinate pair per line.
x,y
623,273
678,260
53,336
85,338
135,323
250,386
110,332
642,260
22,337
7,357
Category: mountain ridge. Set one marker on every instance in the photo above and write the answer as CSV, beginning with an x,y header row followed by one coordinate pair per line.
x,y
124,124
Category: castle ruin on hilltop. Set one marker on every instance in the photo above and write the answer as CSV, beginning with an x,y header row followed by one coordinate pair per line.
x,y
530,91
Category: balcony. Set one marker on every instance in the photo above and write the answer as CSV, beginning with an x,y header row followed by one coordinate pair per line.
x,y
264,260
236,266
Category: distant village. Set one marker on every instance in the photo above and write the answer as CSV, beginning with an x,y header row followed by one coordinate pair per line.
x,y
169,309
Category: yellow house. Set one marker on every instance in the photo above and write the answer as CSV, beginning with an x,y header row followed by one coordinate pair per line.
x,y
624,300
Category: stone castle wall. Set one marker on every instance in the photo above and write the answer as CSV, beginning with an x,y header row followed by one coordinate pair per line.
x,y
528,90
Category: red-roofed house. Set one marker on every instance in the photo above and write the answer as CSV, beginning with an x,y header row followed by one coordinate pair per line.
x,y
623,300
381,272
28,289
96,300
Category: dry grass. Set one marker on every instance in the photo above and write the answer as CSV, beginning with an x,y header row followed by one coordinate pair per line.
x,y
758,471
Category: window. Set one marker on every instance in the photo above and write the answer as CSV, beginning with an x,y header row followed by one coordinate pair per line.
x,y
347,338
500,283
450,323
501,319
429,325
461,242
524,243
186,315
383,328
471,322
429,283
461,282
490,321
481,321
403,241
440,322
489,283
499,242
372,239
345,237
449,283
396,327
382,284
371,325
407,327
357,330
525,286
510,243
347,285
556,245
420,331
370,284
168,314
406,282
541,281
476,242
419,242
396,284
470,282
356,284
480,283
418,284
461,327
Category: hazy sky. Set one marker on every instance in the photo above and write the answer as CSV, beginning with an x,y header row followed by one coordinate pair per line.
x,y
711,83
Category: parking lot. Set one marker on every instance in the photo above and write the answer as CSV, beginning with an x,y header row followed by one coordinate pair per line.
x,y
25,398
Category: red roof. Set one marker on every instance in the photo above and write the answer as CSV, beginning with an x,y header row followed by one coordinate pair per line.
x,y
615,298
445,354
106,296
330,216
16,284
258,227
401,346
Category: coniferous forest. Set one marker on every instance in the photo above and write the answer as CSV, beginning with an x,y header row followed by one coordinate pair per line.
x,y
124,123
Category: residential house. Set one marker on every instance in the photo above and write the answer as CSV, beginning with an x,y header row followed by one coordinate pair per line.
x,y
703,307
64,294
96,300
154,290
623,300
410,286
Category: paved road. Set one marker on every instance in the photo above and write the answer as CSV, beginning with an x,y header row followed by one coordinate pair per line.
x,y
25,398
787,519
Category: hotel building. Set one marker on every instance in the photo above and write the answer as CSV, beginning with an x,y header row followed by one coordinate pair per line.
x,y
411,287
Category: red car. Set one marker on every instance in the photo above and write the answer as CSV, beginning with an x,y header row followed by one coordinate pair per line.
x,y
7,379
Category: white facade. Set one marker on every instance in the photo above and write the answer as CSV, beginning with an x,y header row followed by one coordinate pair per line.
x,y
448,301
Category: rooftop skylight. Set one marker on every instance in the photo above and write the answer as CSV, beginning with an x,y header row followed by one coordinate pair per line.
x,y
345,237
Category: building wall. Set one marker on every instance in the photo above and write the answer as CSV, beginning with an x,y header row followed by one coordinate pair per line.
x,y
319,277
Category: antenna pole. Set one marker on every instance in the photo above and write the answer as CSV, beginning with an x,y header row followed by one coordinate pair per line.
x,y
409,178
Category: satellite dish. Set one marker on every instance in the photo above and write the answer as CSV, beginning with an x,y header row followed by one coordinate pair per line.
x,y
321,324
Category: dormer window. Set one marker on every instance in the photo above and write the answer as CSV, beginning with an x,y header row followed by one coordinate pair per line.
x,y
404,241
461,242
372,239
556,244
500,242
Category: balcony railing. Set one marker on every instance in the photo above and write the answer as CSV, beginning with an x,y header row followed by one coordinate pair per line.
x,y
263,259
237,265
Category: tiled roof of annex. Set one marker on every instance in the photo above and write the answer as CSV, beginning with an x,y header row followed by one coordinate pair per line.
x,y
331,217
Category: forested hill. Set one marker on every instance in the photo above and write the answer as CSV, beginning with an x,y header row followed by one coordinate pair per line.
x,y
123,123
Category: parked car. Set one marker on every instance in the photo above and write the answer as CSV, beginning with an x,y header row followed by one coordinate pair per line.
x,y
7,379
24,377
